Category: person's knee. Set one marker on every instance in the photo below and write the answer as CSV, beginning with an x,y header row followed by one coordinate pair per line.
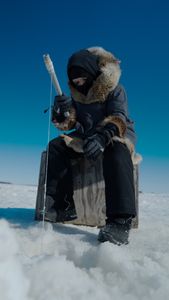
x,y
115,159
114,156
54,145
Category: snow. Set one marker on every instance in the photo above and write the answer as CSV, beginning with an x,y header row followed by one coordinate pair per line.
x,y
65,262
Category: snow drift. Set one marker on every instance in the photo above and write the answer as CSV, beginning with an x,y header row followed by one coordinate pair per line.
x,y
65,262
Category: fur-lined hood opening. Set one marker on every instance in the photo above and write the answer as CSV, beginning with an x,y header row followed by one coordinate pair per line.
x,y
105,83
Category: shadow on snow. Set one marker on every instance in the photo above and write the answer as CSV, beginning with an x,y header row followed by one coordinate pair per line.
x,y
25,217
22,217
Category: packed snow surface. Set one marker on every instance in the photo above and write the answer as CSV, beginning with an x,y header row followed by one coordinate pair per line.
x,y
62,262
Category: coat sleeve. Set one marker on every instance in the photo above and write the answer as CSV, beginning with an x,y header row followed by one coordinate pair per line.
x,y
117,110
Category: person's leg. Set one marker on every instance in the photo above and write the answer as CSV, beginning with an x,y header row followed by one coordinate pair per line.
x,y
119,194
119,182
59,180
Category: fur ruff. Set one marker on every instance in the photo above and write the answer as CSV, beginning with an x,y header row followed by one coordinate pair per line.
x,y
102,86
105,83
117,121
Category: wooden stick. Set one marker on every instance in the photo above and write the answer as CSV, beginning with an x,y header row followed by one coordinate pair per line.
x,y
49,66
51,70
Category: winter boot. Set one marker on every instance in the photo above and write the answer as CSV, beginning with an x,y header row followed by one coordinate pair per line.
x,y
116,232
50,211
59,215
68,214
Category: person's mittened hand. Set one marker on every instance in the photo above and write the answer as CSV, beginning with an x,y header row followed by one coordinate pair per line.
x,y
56,116
93,146
63,103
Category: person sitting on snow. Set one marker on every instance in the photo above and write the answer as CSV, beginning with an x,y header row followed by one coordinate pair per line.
x,y
98,111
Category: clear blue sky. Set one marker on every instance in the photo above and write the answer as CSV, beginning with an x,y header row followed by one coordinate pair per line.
x,y
135,31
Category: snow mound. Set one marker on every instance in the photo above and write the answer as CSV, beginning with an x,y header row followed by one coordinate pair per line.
x,y
13,283
66,262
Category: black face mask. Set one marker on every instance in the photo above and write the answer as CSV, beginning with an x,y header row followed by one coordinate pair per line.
x,y
76,72
83,89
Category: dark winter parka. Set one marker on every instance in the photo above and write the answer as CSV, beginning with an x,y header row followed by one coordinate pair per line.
x,y
105,102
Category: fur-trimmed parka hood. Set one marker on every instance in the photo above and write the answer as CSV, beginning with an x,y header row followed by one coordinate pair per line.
x,y
105,83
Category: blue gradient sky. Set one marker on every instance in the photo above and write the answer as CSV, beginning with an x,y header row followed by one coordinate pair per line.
x,y
135,31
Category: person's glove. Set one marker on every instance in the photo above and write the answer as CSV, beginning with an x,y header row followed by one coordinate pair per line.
x,y
93,146
62,105
108,131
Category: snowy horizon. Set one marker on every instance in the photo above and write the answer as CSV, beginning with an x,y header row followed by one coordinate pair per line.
x,y
36,185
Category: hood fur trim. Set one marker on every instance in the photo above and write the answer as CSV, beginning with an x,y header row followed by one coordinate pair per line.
x,y
105,83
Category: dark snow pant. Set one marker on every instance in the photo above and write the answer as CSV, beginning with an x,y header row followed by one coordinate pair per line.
x,y
117,172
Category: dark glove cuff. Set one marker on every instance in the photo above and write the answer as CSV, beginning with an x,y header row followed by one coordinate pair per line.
x,y
112,128
108,131
102,139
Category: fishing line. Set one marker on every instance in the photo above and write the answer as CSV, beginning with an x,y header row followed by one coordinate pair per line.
x,y
46,162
